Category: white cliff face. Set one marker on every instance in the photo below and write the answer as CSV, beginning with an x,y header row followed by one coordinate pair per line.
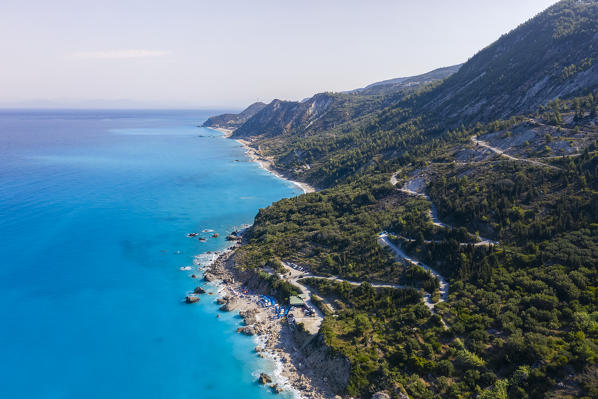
x,y
280,117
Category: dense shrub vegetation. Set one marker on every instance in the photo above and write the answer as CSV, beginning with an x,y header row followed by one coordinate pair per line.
x,y
521,315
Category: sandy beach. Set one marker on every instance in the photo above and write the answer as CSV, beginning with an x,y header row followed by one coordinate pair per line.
x,y
227,132
264,162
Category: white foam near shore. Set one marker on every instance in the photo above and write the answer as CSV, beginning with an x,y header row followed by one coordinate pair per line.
x,y
273,365
264,163
206,259
279,378
267,166
276,370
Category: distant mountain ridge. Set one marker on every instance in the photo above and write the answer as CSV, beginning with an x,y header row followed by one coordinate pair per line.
x,y
233,121
323,110
386,86
553,55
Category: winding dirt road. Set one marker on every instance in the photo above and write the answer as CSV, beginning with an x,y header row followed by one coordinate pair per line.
x,y
296,275
500,152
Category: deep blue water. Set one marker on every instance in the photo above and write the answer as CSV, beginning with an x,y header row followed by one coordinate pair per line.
x,y
94,206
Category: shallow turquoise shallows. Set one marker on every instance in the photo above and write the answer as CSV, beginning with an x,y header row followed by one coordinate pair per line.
x,y
94,211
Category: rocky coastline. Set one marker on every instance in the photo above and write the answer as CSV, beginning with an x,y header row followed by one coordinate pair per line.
x,y
305,365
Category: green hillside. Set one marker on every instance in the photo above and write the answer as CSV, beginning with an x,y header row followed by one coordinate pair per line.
x,y
486,182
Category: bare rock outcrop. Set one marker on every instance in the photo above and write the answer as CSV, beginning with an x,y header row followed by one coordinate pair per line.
x,y
322,360
247,330
264,379
230,305
249,317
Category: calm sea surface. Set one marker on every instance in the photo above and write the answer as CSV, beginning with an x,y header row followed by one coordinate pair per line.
x,y
94,208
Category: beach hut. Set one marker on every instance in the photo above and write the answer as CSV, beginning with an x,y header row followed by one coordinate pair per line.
x,y
296,301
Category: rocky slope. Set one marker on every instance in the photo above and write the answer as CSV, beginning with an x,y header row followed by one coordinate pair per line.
x,y
233,121
324,110
553,55
279,117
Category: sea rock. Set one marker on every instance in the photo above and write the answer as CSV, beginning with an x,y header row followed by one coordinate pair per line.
x,y
191,299
208,277
247,330
220,301
276,388
248,317
229,306
264,379
381,395
199,290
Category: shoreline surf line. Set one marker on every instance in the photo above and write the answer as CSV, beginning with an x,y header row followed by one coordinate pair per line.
x,y
264,163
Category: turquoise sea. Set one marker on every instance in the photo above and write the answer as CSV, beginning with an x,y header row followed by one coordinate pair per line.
x,y
94,211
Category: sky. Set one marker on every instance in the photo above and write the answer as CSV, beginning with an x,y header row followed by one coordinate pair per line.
x,y
230,53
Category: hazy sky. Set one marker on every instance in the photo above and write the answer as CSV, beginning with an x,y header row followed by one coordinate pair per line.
x,y
225,53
